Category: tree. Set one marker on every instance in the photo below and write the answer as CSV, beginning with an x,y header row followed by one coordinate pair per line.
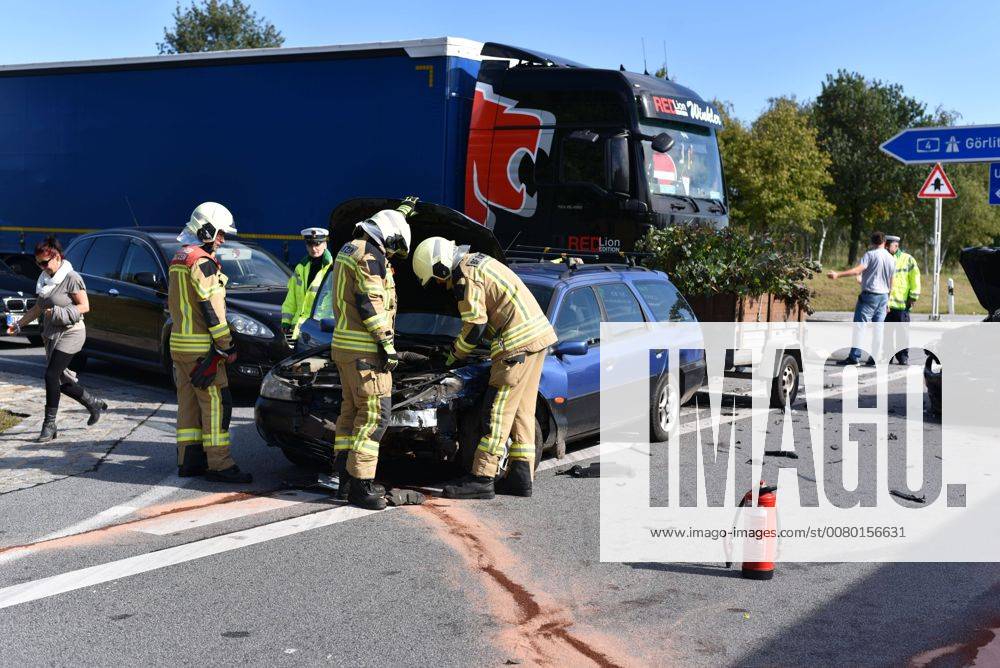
x,y
854,116
775,170
216,25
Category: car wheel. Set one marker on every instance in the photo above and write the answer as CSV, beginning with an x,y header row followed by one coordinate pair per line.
x,y
35,340
539,444
785,386
661,413
78,363
305,460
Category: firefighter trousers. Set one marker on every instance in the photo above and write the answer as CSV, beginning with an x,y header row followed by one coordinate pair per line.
x,y
364,412
509,412
203,416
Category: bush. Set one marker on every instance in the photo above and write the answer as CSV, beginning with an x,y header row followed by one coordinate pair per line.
x,y
701,260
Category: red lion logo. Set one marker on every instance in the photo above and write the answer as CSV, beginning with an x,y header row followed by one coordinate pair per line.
x,y
499,138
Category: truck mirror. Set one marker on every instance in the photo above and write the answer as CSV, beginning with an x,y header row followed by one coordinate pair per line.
x,y
663,142
618,166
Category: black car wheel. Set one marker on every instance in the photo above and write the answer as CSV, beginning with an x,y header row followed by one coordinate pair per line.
x,y
305,460
661,412
785,386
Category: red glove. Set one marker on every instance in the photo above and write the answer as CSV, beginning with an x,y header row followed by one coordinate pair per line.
x,y
205,371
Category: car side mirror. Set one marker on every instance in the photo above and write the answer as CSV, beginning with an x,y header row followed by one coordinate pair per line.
x,y
663,142
148,279
327,324
571,348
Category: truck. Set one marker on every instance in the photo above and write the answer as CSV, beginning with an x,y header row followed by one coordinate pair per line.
x,y
540,149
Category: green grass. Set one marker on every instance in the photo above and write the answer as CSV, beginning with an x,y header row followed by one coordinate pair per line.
x,y
8,420
841,294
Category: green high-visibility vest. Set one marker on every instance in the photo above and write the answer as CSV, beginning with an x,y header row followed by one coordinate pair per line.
x,y
298,303
905,282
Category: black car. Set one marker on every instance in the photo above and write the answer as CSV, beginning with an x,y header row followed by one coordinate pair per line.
x,y
125,270
17,295
437,412
22,264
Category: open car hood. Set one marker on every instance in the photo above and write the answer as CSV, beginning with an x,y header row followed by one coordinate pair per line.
x,y
982,266
430,220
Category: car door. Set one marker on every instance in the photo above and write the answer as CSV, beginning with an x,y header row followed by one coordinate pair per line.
x,y
578,318
138,334
101,269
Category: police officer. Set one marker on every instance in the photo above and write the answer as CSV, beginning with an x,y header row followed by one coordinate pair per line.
x,y
904,292
305,281
362,348
494,303
201,346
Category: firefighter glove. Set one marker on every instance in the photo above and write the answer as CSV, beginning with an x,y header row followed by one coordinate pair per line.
x,y
408,206
390,358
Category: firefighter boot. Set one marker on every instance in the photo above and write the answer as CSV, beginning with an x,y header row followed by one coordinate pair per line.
x,y
362,494
48,426
470,487
193,461
518,479
222,468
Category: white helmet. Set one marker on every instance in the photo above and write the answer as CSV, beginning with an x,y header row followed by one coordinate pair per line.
x,y
207,220
436,257
389,228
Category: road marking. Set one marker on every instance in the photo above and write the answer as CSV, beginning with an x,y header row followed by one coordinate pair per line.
x,y
200,517
143,563
692,426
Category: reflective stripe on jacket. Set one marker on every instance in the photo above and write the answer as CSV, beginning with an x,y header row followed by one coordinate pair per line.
x,y
364,302
905,282
298,303
196,299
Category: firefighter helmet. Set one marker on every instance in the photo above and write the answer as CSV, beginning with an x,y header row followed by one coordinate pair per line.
x,y
389,228
207,220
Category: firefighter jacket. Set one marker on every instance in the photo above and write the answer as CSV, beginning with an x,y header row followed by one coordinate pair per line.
x,y
196,298
364,300
905,282
495,304
298,302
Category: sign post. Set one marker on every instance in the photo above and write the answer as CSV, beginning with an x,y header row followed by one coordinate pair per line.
x,y
937,187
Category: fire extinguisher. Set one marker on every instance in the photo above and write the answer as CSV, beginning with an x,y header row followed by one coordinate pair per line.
x,y
765,548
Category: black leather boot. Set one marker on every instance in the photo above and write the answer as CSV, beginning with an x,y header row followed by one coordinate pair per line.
x,y
233,474
362,494
470,487
49,432
194,462
94,405
518,480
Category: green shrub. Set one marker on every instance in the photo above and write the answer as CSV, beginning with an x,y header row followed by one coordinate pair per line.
x,y
701,260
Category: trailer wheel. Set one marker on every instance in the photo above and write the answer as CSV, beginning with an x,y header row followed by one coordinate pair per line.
x,y
785,386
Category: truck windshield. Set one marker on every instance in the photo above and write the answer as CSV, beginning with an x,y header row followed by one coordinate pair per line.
x,y
691,168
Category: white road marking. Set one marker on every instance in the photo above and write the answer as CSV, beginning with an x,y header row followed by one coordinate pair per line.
x,y
143,563
199,517
692,426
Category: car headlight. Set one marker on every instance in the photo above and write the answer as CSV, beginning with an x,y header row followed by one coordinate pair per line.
x,y
275,387
244,324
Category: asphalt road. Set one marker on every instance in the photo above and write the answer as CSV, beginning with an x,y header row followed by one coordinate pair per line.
x,y
128,564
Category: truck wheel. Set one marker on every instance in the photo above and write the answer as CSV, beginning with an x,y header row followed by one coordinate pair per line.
x,y
305,460
661,412
785,386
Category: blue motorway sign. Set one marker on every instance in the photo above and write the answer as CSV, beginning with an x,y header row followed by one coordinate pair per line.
x,y
995,183
969,143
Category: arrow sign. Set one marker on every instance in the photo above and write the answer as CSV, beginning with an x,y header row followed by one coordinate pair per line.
x,y
969,143
937,186
995,183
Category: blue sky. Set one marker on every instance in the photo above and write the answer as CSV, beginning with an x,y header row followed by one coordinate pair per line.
x,y
743,52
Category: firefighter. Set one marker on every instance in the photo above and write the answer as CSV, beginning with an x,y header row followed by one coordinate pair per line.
x,y
904,292
201,346
362,348
494,303
305,281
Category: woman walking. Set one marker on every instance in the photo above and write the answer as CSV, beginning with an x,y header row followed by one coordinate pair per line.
x,y
62,302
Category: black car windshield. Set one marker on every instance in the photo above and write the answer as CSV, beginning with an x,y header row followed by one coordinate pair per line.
x,y
691,168
244,266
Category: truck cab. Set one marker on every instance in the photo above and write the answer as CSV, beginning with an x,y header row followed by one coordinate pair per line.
x,y
560,154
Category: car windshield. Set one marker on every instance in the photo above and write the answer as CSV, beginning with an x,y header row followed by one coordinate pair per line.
x,y
244,266
691,168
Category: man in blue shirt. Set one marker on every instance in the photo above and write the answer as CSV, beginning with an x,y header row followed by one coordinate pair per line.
x,y
876,268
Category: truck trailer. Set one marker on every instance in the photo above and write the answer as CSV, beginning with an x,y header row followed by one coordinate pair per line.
x,y
540,149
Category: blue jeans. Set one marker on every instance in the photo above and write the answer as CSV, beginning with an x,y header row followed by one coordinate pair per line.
x,y
871,307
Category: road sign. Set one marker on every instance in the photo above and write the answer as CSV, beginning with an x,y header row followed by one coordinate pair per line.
x,y
968,143
995,183
937,186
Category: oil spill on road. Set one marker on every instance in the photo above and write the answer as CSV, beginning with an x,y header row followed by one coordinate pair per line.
x,y
980,648
535,627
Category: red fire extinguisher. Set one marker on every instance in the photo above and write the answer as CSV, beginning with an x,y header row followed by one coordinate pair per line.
x,y
762,545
